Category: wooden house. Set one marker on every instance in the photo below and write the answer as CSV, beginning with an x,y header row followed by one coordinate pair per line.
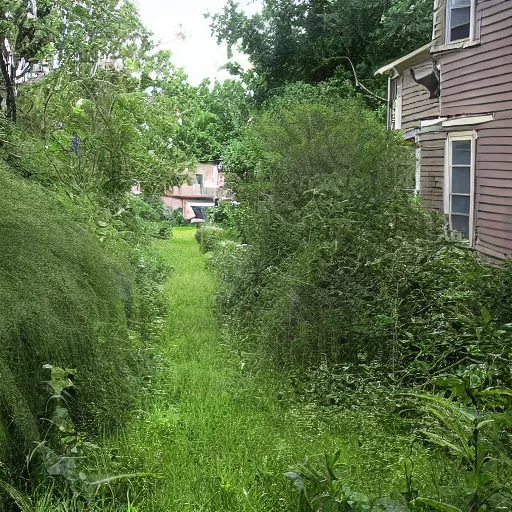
x,y
453,97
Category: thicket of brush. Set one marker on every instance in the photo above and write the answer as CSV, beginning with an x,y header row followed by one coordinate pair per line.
x,y
60,304
81,306
339,276
342,261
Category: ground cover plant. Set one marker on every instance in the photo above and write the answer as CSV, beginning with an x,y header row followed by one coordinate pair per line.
x,y
222,431
328,345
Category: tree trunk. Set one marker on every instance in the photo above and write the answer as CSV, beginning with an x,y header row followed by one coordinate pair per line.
x,y
9,86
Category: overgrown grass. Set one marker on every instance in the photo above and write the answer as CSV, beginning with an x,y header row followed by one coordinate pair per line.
x,y
222,431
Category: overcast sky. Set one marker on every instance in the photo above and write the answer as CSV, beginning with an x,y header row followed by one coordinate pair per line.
x,y
181,28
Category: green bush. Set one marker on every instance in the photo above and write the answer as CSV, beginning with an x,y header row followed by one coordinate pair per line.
x,y
60,304
176,218
208,236
343,264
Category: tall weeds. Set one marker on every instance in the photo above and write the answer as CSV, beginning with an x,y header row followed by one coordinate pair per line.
x,y
342,262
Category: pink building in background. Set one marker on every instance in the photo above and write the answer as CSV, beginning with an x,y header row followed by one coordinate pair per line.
x,y
206,189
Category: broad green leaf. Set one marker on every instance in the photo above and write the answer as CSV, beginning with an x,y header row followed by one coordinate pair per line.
x,y
486,315
495,391
484,423
296,479
23,501
388,504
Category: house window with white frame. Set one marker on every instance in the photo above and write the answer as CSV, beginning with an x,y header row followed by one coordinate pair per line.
x,y
460,15
395,103
459,180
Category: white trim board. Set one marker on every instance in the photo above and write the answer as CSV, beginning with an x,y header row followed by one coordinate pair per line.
x,y
468,120
393,66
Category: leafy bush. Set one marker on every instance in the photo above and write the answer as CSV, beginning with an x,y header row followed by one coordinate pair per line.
x,y
149,305
176,218
322,487
343,264
208,236
326,183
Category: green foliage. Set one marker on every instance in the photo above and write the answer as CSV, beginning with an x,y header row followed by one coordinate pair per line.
x,y
474,426
77,34
324,489
230,216
344,264
124,135
214,115
176,218
208,236
349,282
314,40
215,413
149,306
333,178
60,303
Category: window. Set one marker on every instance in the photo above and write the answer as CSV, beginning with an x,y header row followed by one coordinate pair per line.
x,y
459,19
459,183
395,103
198,180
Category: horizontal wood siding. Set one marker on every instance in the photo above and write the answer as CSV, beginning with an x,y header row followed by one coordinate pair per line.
x,y
416,104
438,29
494,186
432,148
478,80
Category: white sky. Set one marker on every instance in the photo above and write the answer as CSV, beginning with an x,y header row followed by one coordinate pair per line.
x,y
198,53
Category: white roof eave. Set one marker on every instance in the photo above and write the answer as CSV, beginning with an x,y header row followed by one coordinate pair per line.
x,y
393,66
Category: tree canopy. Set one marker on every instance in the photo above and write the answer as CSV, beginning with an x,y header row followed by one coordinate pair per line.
x,y
314,40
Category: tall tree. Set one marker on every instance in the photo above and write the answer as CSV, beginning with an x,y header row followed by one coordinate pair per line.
x,y
313,40
72,33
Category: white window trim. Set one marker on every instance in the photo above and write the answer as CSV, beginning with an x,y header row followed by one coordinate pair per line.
x,y
395,104
417,177
472,136
398,103
447,28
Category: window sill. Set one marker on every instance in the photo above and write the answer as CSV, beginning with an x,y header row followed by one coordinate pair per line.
x,y
457,45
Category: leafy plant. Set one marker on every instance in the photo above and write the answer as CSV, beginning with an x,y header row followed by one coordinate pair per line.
x,y
323,489
469,425
208,236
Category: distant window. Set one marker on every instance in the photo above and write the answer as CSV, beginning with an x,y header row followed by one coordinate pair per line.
x,y
198,180
459,23
459,188
200,212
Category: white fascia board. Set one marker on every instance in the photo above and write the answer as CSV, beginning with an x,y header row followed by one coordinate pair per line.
x,y
432,122
393,66
193,202
468,120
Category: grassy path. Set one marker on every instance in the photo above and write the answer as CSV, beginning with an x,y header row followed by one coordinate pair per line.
x,y
221,433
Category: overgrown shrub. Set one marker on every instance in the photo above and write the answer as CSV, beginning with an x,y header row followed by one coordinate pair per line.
x,y
176,218
60,304
149,305
343,264
208,236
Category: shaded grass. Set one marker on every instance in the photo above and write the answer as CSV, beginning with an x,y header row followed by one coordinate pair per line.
x,y
222,432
